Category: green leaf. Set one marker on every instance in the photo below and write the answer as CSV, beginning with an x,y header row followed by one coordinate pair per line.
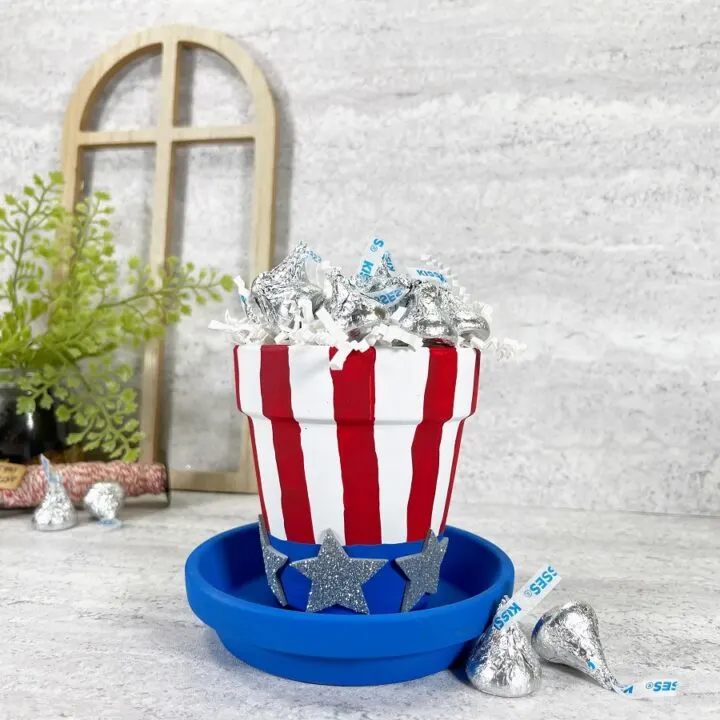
x,y
29,191
131,455
124,373
38,180
37,308
45,401
74,438
62,413
56,177
25,405
102,196
227,283
49,371
134,262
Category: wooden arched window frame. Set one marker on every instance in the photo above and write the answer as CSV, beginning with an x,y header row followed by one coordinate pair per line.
x,y
164,137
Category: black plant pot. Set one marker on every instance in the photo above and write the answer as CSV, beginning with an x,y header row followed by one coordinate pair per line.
x,y
24,437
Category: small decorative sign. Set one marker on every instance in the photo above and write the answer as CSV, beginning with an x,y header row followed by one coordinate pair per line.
x,y
11,475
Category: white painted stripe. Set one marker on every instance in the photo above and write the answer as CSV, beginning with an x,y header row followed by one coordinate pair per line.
x,y
251,403
400,379
462,404
466,373
311,388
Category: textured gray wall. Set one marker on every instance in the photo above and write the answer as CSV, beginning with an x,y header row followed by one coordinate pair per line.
x,y
561,156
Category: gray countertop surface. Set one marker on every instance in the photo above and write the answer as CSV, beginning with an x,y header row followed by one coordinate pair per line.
x,y
95,623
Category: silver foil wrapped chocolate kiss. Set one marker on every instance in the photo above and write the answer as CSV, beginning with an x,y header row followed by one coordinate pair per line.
x,y
56,511
277,296
104,500
570,635
426,314
503,662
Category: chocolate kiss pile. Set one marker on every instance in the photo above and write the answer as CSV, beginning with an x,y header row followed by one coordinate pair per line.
x,y
57,512
305,300
505,663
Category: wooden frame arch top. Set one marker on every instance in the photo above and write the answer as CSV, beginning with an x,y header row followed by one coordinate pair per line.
x,y
164,137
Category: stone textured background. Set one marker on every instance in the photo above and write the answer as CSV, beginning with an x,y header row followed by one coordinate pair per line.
x,y
561,156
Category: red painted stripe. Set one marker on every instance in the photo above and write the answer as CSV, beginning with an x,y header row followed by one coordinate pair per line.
x,y
354,401
476,383
251,428
277,406
438,408
458,440
237,376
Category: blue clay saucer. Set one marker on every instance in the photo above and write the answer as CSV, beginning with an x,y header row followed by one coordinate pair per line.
x,y
227,590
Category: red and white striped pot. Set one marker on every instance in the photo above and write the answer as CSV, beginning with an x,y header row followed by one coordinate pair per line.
x,y
369,451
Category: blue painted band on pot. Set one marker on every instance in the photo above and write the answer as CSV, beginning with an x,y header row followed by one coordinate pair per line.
x,y
383,592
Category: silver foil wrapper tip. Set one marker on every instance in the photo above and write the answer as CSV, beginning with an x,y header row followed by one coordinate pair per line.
x,y
503,662
570,635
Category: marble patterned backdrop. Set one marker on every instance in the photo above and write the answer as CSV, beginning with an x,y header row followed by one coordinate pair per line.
x,y
561,156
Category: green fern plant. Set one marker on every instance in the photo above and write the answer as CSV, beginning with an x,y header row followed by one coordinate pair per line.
x,y
67,306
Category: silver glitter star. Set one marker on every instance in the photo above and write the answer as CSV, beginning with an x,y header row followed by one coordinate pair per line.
x,y
273,560
337,579
422,570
